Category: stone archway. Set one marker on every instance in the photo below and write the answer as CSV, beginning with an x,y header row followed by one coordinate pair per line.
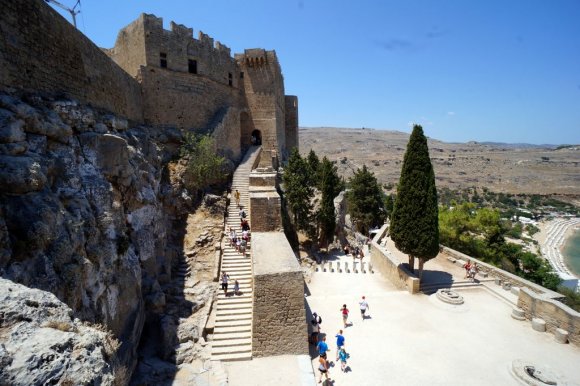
x,y
256,138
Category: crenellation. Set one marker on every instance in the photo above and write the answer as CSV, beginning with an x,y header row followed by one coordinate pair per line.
x,y
181,30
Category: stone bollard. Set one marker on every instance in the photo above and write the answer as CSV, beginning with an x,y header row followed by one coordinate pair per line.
x,y
539,324
346,267
318,267
338,267
561,335
484,274
497,281
506,286
362,267
518,314
371,268
324,266
451,259
354,267
330,267
515,291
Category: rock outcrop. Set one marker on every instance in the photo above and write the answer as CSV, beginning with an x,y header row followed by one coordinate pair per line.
x,y
42,344
88,211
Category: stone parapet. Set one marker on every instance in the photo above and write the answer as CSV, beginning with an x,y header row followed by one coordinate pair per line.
x,y
388,265
555,314
279,312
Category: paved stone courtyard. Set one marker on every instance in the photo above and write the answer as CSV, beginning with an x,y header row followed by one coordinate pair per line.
x,y
418,340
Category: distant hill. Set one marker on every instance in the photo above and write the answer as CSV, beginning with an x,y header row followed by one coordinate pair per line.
x,y
500,167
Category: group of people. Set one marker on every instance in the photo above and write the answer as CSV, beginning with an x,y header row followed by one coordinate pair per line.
x,y
225,279
470,270
240,242
321,345
357,252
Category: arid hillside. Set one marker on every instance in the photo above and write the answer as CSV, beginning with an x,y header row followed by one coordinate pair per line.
x,y
498,167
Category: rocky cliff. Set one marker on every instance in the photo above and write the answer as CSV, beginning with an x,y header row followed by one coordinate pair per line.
x,y
88,211
42,344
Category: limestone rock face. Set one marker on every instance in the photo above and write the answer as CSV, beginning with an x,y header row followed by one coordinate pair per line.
x,y
41,344
86,203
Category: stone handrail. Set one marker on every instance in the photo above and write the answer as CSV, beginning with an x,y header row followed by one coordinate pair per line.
x,y
257,160
388,265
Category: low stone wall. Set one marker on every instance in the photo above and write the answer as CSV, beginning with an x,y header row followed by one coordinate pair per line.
x,y
279,310
555,314
499,273
390,267
535,300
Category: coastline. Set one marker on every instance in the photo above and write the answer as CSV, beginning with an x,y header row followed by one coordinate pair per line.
x,y
552,239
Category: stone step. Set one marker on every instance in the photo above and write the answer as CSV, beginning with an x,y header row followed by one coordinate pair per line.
x,y
232,335
246,348
231,343
243,311
233,320
232,331
234,302
239,324
233,265
221,296
232,357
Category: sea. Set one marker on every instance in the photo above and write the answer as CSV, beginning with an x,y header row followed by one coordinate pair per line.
x,y
571,252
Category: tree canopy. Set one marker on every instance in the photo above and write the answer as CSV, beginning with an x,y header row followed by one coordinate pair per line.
x,y
365,200
414,222
204,166
298,191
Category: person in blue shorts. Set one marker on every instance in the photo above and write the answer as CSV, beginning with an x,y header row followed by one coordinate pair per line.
x,y
339,343
322,347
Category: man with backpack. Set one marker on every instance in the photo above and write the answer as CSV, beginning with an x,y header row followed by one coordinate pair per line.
x,y
315,322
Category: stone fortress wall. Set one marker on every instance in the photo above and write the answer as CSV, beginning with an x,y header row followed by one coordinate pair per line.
x,y
156,76
42,52
196,84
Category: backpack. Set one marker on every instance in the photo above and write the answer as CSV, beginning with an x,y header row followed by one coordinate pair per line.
x,y
243,214
316,320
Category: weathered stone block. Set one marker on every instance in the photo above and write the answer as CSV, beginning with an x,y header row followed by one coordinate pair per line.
x,y
539,324
561,335
518,314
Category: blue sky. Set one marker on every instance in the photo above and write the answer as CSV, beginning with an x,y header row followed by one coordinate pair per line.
x,y
505,71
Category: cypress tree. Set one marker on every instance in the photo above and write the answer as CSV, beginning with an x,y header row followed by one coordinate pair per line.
x,y
330,187
314,166
414,222
365,200
298,191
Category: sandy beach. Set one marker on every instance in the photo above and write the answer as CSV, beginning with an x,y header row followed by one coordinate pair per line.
x,y
552,238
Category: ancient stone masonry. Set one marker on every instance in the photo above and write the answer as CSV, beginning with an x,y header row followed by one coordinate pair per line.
x,y
91,206
161,77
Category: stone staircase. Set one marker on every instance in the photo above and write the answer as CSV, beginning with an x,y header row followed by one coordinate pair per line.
x,y
232,338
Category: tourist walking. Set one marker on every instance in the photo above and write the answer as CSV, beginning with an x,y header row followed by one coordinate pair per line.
x,y
467,267
342,356
322,347
323,368
344,312
237,197
242,213
225,278
236,287
473,271
364,306
315,322
339,343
